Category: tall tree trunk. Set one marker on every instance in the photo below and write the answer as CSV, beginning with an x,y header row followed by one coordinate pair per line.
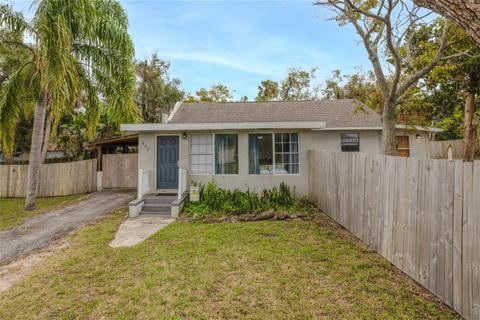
x,y
469,128
465,13
388,130
36,152
46,139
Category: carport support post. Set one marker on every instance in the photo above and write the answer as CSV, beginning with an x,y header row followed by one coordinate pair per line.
x,y
140,182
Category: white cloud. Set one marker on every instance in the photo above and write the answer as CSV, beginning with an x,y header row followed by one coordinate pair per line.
x,y
222,60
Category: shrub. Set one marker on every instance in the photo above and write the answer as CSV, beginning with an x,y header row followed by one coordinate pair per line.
x,y
214,200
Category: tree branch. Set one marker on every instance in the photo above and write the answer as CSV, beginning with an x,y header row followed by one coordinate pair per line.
x,y
438,56
393,50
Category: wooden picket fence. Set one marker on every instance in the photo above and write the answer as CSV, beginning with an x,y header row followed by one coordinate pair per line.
x,y
422,215
56,179
119,170
439,149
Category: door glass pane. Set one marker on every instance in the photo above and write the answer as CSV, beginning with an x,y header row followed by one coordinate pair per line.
x,y
260,147
226,154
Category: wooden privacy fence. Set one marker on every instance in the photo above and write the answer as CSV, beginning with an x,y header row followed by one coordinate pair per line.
x,y
56,179
422,215
439,149
119,170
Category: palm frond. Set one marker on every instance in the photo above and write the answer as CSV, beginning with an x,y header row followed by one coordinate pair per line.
x,y
14,97
12,21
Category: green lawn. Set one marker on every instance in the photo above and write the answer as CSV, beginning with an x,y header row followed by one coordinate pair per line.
x,y
12,210
251,270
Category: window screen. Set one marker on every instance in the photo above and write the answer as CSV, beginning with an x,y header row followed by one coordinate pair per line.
x,y
350,142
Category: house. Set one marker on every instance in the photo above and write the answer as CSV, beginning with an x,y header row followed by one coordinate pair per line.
x,y
257,145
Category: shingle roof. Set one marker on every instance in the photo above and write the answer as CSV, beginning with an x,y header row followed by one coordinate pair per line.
x,y
336,113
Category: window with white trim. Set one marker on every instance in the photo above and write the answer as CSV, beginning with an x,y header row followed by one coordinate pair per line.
x,y
271,153
286,153
201,154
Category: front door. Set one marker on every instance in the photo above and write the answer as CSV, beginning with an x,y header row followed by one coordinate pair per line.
x,y
167,162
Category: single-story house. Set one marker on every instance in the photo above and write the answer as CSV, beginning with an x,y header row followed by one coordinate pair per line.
x,y
257,145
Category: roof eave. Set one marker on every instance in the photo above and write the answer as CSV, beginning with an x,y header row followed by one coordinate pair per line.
x,y
398,126
145,127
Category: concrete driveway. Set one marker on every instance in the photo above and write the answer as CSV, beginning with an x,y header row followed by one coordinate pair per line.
x,y
39,231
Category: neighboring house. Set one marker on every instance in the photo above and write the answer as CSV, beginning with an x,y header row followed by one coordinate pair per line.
x,y
250,145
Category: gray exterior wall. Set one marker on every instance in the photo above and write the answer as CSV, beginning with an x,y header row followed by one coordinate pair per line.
x,y
418,147
370,142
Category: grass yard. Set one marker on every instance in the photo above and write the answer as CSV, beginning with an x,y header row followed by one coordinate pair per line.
x,y
12,210
252,270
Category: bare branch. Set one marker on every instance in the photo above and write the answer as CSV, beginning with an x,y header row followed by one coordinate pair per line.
x,y
364,12
438,56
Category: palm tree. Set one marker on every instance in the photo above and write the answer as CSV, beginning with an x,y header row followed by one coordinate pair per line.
x,y
75,48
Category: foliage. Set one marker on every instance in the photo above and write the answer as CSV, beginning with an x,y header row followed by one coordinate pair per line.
x,y
73,49
446,88
359,85
72,135
386,29
297,85
214,200
267,91
155,92
217,93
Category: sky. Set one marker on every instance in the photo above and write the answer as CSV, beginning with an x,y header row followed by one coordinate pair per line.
x,y
239,43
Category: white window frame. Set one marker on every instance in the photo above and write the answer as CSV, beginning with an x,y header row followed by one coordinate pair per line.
x,y
190,155
214,158
273,153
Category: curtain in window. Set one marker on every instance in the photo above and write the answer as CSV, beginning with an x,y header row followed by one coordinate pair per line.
x,y
226,154
254,154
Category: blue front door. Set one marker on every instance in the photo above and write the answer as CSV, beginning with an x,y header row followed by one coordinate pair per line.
x,y
167,162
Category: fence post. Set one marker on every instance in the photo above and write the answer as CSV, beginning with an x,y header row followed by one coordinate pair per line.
x,y
99,181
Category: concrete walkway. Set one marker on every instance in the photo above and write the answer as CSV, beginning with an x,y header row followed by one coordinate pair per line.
x,y
135,230
39,231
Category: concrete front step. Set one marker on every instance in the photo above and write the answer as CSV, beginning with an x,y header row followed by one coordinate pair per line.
x,y
155,213
158,203
159,200
156,207
166,210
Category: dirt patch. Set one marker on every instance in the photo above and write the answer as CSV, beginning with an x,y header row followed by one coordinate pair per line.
x,y
14,271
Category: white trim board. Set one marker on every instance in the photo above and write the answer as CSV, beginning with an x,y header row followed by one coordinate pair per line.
x,y
142,127
398,126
